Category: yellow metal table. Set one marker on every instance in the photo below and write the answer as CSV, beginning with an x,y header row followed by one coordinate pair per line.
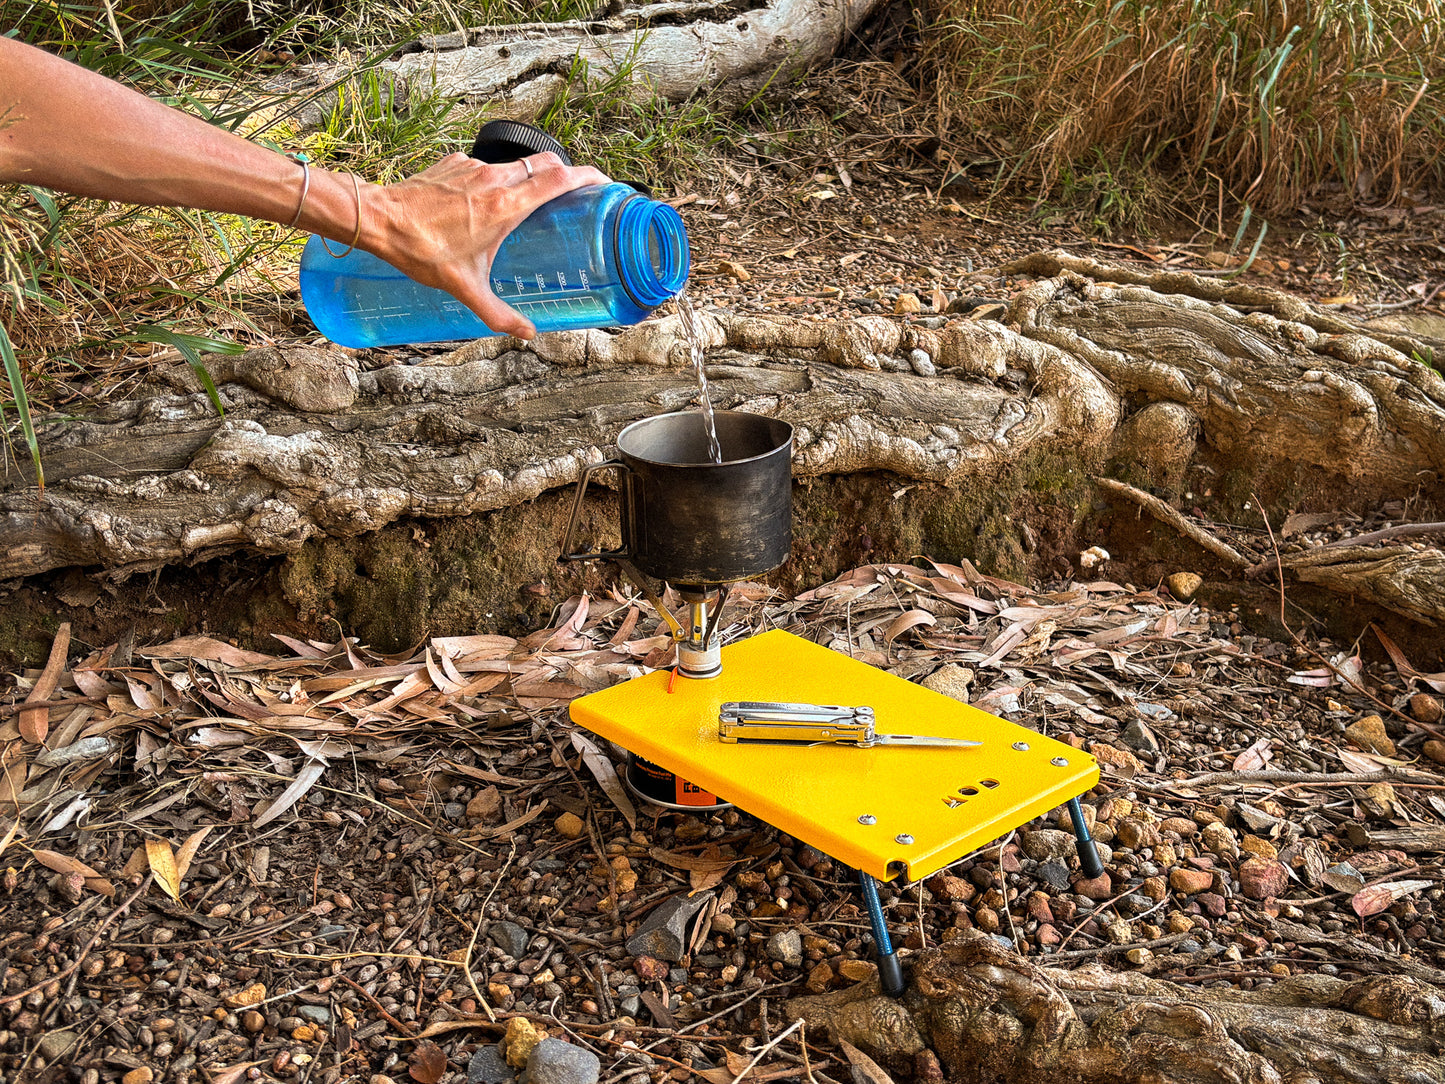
x,y
889,811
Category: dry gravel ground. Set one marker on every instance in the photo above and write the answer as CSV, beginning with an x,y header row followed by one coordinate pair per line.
x,y
325,865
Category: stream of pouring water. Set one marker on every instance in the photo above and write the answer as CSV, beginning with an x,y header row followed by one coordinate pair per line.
x,y
695,345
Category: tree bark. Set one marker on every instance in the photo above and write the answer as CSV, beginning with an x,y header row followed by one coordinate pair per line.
x,y
990,1014
1172,380
734,47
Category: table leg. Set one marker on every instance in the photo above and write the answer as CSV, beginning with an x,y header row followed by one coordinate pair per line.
x,y
1088,853
890,968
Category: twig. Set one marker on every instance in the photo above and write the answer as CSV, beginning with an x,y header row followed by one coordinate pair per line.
x,y
476,928
74,967
762,1050
401,1026
1162,511
1398,531
1079,954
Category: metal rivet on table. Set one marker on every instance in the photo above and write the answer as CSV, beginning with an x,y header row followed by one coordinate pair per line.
x,y
867,818
903,838
1021,746
1059,762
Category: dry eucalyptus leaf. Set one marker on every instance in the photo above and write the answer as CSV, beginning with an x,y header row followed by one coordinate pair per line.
x,y
427,1063
601,768
863,1065
188,850
163,864
1254,758
1374,899
305,779
35,723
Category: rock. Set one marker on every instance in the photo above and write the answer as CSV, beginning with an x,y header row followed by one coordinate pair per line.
x,y
1048,844
144,1075
1191,881
1262,878
253,1021
1426,708
317,1014
950,679
1154,888
1180,826
907,303
1214,903
1038,907
1435,750
1047,934
454,811
487,802
786,947
1368,734
1064,818
950,889
857,970
1219,840
56,1044
1121,760
251,995
1184,585
489,1067
663,933
922,364
1138,956
1261,848
570,826
1054,874
519,1040
509,937
650,969
553,1061
734,271
1138,736
1119,933
1135,834
820,978
1095,888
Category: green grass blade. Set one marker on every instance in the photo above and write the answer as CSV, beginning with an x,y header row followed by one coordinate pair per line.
x,y
22,404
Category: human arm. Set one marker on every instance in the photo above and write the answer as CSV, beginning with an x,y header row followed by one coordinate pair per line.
x,y
70,129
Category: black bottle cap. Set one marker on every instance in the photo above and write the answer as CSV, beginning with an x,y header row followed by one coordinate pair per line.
x,y
511,141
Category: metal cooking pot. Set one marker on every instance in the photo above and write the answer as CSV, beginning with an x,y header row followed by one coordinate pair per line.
x,y
688,520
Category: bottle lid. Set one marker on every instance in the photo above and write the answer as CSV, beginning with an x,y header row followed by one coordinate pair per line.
x,y
511,141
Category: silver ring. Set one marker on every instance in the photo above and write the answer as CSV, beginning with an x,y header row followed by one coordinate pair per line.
x,y
527,165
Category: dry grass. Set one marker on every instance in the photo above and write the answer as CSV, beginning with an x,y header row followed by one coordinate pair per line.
x,y
1272,102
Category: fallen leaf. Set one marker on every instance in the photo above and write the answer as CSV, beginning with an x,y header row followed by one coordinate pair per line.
x,y
163,864
206,649
303,782
606,775
1374,899
63,863
862,1064
35,723
232,1074
188,850
909,619
1254,758
427,1063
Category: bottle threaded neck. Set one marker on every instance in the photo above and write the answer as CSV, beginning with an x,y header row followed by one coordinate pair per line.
x,y
652,251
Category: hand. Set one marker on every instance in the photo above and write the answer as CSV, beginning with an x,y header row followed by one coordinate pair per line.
x,y
443,226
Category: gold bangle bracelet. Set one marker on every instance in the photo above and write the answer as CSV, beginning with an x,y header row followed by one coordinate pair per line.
x,y
355,237
300,159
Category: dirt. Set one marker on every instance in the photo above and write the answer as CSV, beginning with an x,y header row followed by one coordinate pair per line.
x,y
326,945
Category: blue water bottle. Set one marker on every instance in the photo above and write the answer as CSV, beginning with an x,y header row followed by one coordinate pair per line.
x,y
601,256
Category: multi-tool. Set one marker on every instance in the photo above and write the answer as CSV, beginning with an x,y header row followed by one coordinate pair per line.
x,y
771,723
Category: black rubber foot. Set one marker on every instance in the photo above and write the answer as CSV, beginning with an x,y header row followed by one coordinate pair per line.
x,y
890,975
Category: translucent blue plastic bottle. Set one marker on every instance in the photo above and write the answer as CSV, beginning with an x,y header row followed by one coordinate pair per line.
x,y
601,256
